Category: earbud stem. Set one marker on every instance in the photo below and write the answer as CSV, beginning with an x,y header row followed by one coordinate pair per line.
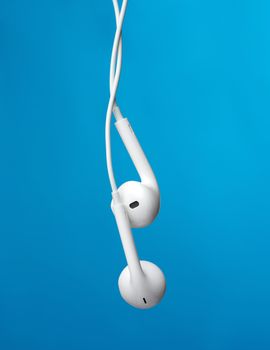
x,y
126,237
136,153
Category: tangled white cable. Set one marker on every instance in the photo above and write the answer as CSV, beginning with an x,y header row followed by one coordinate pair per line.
x,y
115,72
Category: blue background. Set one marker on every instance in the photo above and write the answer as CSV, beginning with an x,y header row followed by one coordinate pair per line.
x,y
196,87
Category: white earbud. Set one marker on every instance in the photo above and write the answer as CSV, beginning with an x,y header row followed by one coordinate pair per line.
x,y
134,204
141,199
141,284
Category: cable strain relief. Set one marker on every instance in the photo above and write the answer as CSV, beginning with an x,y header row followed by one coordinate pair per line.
x,y
117,113
116,197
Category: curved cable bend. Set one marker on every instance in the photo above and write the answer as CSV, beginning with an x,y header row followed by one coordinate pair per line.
x,y
115,71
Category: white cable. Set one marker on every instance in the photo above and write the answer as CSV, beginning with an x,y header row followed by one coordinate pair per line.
x,y
116,65
115,71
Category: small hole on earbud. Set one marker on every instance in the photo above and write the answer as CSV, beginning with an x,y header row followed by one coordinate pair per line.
x,y
134,205
144,300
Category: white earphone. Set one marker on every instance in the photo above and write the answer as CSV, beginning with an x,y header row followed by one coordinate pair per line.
x,y
134,204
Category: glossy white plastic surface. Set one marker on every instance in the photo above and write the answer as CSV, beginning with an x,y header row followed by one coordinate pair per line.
x,y
136,153
141,284
126,236
143,291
